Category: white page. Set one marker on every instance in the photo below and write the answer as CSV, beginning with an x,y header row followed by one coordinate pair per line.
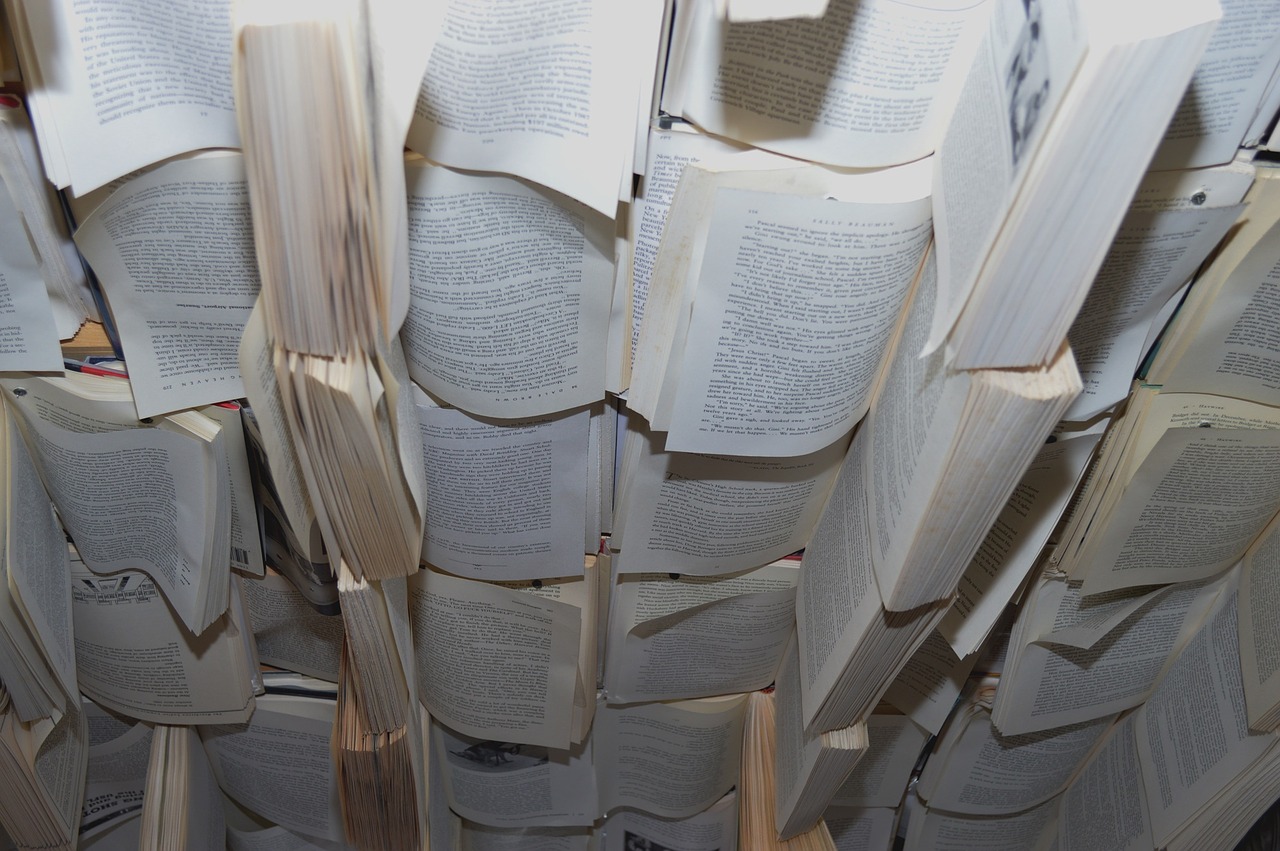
x,y
927,687
713,829
28,338
136,474
1011,549
796,301
494,662
936,830
1104,807
1153,254
1259,629
866,84
690,636
1194,505
476,837
988,774
1202,696
279,764
38,570
507,498
502,784
136,658
174,251
1226,88
694,746
246,537
1016,82
880,777
1236,351
129,86
712,514
861,828
117,771
532,91
289,633
510,286
1055,685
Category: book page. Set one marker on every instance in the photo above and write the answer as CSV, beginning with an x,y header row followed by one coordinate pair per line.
x,y
1193,733
136,658
130,85
880,777
1195,504
1259,630
174,251
1153,254
1049,686
494,662
1236,351
1224,93
1010,550
837,599
504,784
669,151
1021,71
279,764
713,829
59,764
713,514
507,498
141,475
695,746
28,338
866,84
289,632
247,833
117,771
861,828
36,566
979,772
1104,807
533,91
246,537
478,837
940,831
510,286
678,636
797,298
927,686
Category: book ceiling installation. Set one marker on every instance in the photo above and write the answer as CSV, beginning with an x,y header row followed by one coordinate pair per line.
x,y
676,425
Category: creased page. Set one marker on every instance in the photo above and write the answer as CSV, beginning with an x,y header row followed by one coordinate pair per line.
x,y
880,777
510,286
289,632
695,746
711,514
533,91
507,497
505,784
493,662
173,249
278,764
676,636
927,687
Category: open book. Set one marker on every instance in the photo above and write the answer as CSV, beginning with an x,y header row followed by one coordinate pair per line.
x,y
727,360
42,766
1087,88
149,496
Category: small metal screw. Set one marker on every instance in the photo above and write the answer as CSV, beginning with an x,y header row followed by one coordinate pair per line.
x,y
19,392
1199,198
